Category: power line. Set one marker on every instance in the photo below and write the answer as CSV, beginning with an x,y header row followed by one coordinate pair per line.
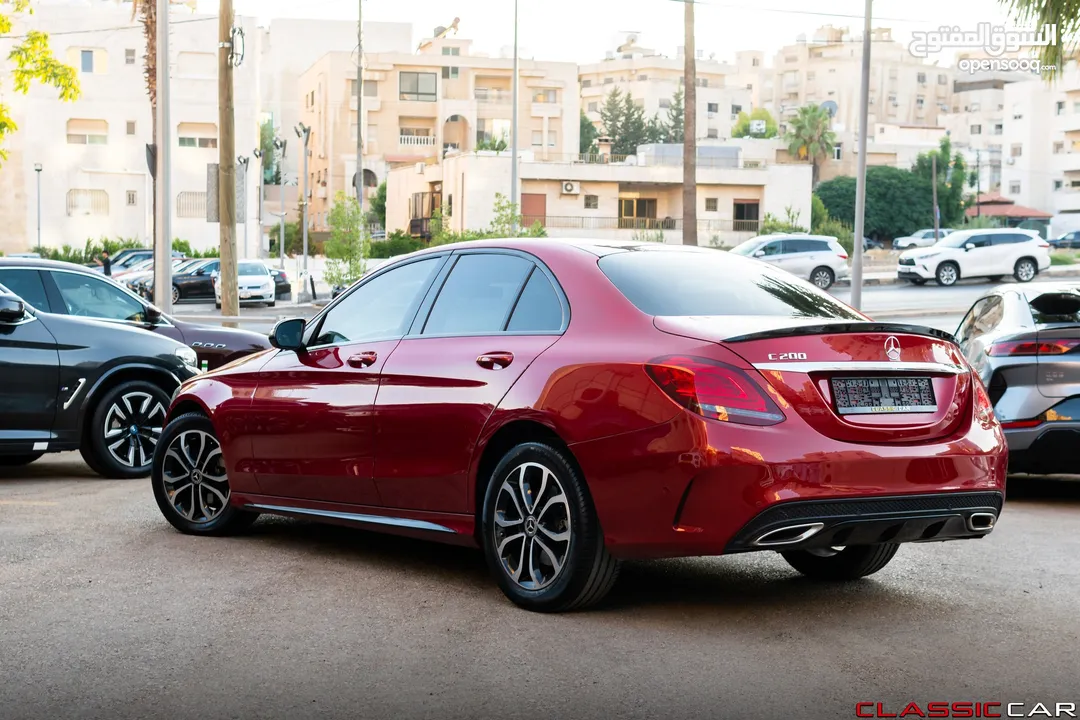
x,y
116,28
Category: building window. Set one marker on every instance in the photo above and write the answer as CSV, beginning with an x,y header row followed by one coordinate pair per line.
x,y
713,107
642,78
999,129
755,62
665,104
592,202
450,73
586,83
893,73
1060,107
594,107
1014,187
712,204
132,198
892,99
449,206
608,81
1058,184
87,202
545,96
870,99
810,75
418,86
203,142
942,79
1076,106
919,101
1016,150
451,51
1059,147
976,129
712,134
130,127
87,132
921,78
736,109
749,86
371,88
537,138
703,82
791,58
553,138
191,205
129,56
87,57
415,132
838,151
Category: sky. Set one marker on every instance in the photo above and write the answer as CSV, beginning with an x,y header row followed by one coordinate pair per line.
x,y
582,31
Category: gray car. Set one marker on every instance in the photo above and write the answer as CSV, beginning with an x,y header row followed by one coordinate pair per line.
x,y
1025,344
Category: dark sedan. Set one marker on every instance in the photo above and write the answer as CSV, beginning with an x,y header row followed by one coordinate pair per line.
x,y
68,289
71,383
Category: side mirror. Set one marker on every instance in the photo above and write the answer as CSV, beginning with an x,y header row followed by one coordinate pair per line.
x,y
12,309
200,271
288,334
969,246
153,314
759,253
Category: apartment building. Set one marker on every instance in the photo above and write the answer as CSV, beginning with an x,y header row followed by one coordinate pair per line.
x,y
92,153
422,106
652,79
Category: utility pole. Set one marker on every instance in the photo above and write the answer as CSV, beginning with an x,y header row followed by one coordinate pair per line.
x,y
860,180
37,171
360,112
304,133
163,201
230,300
937,213
258,153
978,183
514,140
281,144
690,234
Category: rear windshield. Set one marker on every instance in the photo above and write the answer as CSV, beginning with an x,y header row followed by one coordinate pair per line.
x,y
715,283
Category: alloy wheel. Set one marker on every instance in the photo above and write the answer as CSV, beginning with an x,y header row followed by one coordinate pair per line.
x,y
1025,271
946,275
532,526
194,476
175,294
822,278
132,428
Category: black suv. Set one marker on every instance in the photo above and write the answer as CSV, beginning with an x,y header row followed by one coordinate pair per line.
x,y
71,383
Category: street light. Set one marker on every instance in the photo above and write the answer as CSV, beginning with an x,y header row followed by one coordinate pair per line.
x,y
38,169
242,161
304,133
258,153
282,145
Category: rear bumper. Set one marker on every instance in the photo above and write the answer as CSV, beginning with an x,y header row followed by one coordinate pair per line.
x,y
1047,449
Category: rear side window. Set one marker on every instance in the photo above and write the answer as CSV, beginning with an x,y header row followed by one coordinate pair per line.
x,y
799,246
479,295
715,283
27,285
1010,238
538,309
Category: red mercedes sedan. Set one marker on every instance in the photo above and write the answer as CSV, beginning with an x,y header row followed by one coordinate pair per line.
x,y
567,404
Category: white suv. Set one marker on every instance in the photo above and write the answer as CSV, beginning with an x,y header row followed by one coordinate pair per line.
x,y
977,253
821,259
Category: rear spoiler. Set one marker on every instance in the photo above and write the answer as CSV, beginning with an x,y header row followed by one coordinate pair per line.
x,y
845,329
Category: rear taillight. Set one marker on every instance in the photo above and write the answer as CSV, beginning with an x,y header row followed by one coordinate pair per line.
x,y
1017,424
713,390
1032,347
984,407
842,255
1044,244
283,276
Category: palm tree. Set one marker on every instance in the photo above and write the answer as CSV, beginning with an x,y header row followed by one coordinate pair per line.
x,y
1063,13
146,13
810,138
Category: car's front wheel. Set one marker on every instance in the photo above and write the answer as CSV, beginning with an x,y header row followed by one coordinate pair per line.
x,y
841,563
823,277
175,294
947,274
541,535
191,480
1025,270
124,430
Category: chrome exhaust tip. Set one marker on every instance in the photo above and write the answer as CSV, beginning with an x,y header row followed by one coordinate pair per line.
x,y
981,521
788,535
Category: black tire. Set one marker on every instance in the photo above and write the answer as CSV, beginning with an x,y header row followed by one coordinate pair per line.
x,y
850,563
217,305
587,571
917,281
272,303
1025,271
948,273
823,277
18,460
185,429
177,296
119,409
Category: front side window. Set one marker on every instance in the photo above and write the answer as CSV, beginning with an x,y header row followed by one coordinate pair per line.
x,y
88,296
478,295
380,309
774,248
27,285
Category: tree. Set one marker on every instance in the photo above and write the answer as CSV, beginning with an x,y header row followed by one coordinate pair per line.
x,y
271,162
378,205
611,113
589,133
951,176
810,137
496,144
347,248
675,118
742,124
898,202
657,131
690,229
1065,14
33,61
633,130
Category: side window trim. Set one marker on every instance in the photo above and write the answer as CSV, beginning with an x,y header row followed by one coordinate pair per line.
x,y
444,278
513,305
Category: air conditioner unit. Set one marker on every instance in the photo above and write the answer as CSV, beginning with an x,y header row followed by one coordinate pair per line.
x,y
420,168
1011,161
571,188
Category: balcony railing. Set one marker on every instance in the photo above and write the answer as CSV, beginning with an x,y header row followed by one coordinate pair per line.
x,y
578,222
651,160
417,140
493,97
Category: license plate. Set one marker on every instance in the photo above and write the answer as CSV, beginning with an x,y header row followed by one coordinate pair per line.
x,y
873,396
245,295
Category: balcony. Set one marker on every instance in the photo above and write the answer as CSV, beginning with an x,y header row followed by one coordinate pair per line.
x,y
488,96
718,233
416,141
1066,200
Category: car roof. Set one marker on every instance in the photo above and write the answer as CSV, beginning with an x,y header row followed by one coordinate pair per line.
x,y
43,264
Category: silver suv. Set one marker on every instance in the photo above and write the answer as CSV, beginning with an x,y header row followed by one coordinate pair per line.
x,y
817,258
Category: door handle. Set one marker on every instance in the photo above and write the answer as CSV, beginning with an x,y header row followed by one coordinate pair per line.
x,y
495,361
362,360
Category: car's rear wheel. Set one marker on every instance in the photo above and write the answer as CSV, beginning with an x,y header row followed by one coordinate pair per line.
x,y
1025,270
540,532
841,563
125,429
175,294
18,460
947,274
191,481
917,281
823,277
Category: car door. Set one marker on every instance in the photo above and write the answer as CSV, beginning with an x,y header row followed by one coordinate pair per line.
x,y
978,258
196,283
29,383
494,314
983,318
803,256
314,407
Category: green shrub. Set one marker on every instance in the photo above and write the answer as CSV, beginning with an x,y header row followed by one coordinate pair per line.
x,y
840,231
396,243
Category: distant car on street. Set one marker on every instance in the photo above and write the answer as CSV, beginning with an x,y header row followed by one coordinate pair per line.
x,y
992,253
869,244
79,383
922,238
1024,342
1066,241
817,258
255,284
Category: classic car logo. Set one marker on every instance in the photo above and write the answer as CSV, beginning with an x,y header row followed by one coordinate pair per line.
x,y
892,348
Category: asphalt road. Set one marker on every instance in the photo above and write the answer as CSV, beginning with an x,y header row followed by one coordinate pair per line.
x,y
107,612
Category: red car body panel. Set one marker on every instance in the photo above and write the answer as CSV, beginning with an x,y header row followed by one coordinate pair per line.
x,y
404,437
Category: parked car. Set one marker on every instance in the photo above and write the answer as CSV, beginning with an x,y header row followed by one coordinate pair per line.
x,y
818,258
67,289
692,403
74,383
923,238
282,286
190,281
141,278
869,244
977,253
255,284
1067,240
1025,344
370,267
